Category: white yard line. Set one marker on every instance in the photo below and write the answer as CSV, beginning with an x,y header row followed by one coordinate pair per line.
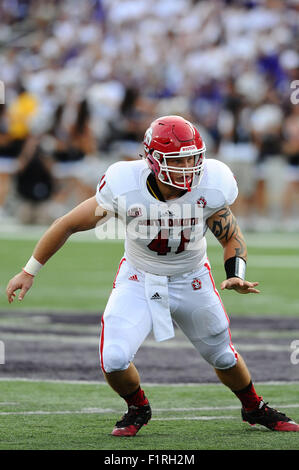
x,y
8,403
195,418
186,409
69,412
157,410
146,384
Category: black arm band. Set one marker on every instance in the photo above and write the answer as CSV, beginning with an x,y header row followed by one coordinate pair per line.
x,y
235,267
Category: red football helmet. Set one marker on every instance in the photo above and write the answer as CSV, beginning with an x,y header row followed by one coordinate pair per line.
x,y
174,137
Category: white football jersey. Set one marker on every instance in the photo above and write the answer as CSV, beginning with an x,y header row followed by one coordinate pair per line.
x,y
165,238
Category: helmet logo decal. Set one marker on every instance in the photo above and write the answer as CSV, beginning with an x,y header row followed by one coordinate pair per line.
x,y
148,136
188,149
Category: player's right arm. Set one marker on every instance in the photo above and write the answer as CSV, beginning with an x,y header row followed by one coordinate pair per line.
x,y
83,217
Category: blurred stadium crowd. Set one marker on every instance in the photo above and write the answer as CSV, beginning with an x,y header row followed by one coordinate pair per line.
x,y
84,78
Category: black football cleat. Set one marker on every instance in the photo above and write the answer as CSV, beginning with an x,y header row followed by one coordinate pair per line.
x,y
132,421
269,417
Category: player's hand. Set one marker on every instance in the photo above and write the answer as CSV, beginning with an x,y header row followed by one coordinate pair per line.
x,y
243,287
21,281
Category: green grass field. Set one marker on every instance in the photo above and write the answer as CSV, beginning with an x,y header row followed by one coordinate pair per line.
x,y
45,415
80,276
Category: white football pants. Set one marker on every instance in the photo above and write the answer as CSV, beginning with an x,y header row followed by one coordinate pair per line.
x,y
138,305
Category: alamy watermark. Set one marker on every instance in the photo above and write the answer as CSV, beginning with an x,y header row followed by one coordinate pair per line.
x,y
295,94
2,353
153,225
2,92
295,354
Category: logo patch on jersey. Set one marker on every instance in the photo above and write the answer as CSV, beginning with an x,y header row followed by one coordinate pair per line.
x,y
134,278
134,212
156,296
196,284
201,202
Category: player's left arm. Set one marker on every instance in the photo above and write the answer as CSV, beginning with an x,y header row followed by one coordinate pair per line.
x,y
224,226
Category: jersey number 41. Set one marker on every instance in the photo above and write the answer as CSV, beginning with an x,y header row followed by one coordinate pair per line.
x,y
160,243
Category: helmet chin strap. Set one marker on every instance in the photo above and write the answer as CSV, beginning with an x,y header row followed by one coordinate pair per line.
x,y
187,183
188,186
182,188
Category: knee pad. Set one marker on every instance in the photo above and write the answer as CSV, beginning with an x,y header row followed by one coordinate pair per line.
x,y
114,358
225,360
218,351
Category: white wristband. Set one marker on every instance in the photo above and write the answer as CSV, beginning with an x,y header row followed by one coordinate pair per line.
x,y
32,267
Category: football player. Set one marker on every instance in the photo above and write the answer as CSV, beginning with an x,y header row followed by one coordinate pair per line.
x,y
167,201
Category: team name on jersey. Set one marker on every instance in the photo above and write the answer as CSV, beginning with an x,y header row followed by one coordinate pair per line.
x,y
170,222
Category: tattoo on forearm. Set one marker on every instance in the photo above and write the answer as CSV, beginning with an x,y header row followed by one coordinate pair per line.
x,y
241,250
225,228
